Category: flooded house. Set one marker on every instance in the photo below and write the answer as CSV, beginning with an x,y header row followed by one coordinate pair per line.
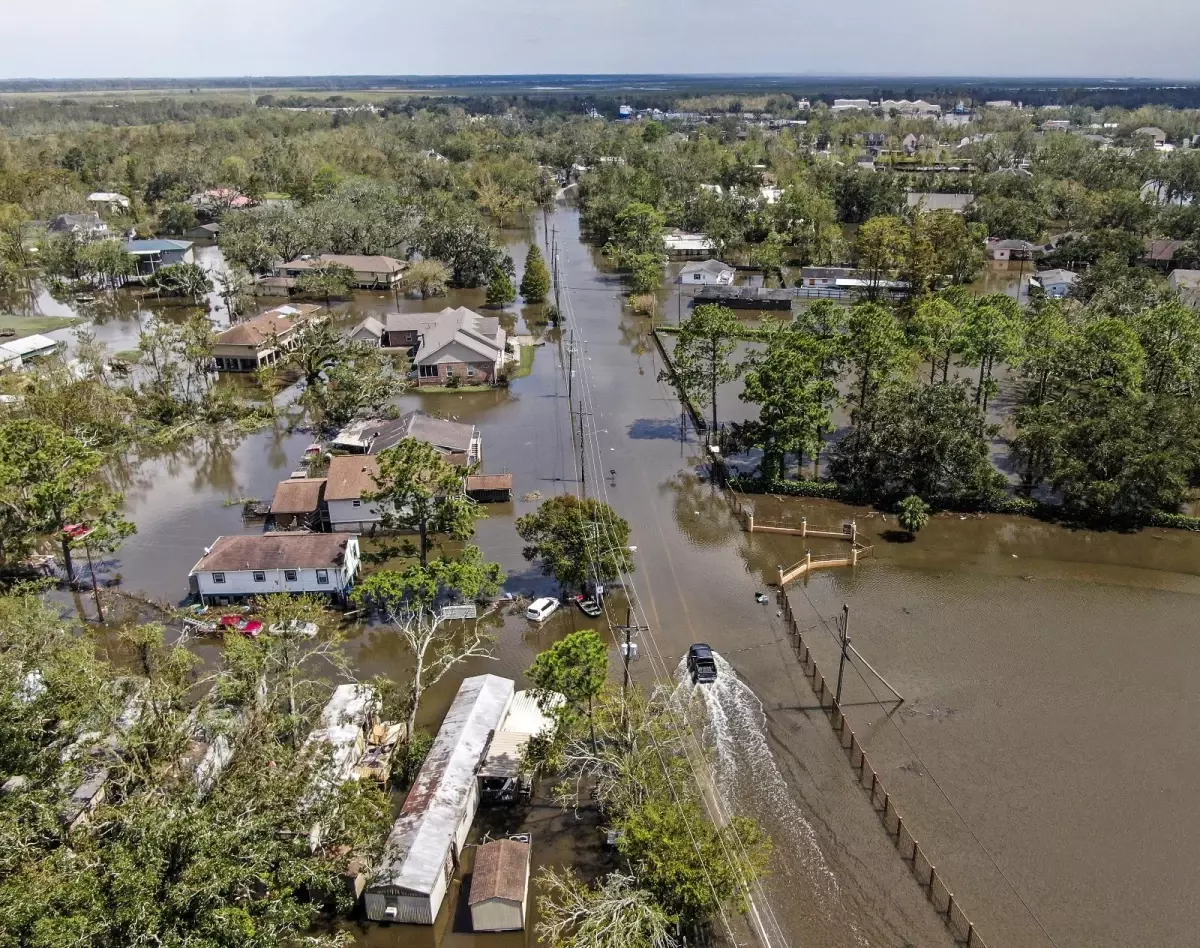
x,y
367,272
461,443
350,476
237,568
500,886
425,845
681,244
84,226
453,343
504,776
298,504
153,255
708,273
260,341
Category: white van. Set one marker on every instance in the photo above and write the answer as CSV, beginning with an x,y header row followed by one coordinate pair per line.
x,y
539,609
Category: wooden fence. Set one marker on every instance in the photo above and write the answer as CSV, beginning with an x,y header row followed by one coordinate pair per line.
x,y
937,889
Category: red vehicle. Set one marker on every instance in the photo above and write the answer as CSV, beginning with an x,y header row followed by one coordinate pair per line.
x,y
251,628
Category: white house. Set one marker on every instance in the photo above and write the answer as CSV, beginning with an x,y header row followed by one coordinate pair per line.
x,y
349,477
16,352
235,568
423,850
1055,283
681,244
707,273
109,200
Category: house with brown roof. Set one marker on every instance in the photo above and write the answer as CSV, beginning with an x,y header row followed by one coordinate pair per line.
x,y
237,568
456,342
247,346
462,444
350,476
369,271
297,503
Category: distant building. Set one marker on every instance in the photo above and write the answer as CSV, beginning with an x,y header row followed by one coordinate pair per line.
x,y
1153,132
910,143
236,568
1187,284
708,273
848,105
937,201
204,232
16,352
84,226
109,201
625,111
369,272
1009,249
153,255
1056,125
1055,283
1160,253
680,244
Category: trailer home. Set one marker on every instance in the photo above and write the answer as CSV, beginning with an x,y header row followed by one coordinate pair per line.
x,y
423,849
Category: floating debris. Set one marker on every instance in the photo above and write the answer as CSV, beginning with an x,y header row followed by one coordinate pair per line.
x,y
532,496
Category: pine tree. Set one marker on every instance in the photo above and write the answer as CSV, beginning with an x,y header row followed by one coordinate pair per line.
x,y
535,282
500,290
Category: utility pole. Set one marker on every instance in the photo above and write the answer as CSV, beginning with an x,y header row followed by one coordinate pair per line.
x,y
628,628
582,465
842,622
570,365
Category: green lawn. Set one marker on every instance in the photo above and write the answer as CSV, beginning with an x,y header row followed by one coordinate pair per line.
x,y
526,364
29,325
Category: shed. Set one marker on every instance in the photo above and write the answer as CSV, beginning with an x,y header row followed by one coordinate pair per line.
x,y
425,844
29,347
502,775
490,488
500,886
297,503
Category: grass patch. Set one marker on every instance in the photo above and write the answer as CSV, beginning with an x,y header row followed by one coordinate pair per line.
x,y
525,366
127,355
29,325
448,390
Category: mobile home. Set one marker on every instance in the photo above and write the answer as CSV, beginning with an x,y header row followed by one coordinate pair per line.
x,y
423,849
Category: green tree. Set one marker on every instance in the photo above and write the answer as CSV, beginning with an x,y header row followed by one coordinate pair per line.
x,y
325,281
535,282
500,290
411,599
809,221
576,668
794,395
638,230
419,490
427,277
912,514
182,279
177,219
614,913
707,338
48,480
881,249
935,330
576,540
874,349
991,334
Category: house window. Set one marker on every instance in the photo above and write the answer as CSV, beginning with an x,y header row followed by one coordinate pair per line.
x,y
260,576
358,503
470,371
218,577
697,277
289,575
322,577
427,371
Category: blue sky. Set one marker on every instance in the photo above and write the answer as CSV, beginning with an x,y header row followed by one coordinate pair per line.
x,y
82,38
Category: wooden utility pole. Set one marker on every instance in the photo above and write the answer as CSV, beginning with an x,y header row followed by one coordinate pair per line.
x,y
582,464
843,622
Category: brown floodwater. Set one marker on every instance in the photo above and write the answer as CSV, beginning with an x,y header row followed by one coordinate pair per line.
x,y
1041,753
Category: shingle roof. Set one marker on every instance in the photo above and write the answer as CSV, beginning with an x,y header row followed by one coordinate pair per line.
x,y
489,482
350,476
715,267
358,262
275,551
480,334
1162,250
501,869
256,331
376,435
371,324
1056,276
155,246
298,495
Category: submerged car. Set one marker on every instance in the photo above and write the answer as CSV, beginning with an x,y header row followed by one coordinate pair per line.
x,y
540,609
701,665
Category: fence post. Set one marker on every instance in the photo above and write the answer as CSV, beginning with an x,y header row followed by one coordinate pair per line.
x,y
804,526
808,561
750,522
781,577
854,556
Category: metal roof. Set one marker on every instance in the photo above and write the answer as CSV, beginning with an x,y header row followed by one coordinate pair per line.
x,y
155,246
415,854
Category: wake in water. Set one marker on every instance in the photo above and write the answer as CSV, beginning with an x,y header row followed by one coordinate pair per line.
x,y
746,774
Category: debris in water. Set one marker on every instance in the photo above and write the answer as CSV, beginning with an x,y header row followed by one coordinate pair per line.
x,y
532,496
760,597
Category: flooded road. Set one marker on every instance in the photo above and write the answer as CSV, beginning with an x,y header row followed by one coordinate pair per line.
x,y
1042,752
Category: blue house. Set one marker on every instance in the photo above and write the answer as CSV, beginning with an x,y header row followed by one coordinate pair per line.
x,y
153,255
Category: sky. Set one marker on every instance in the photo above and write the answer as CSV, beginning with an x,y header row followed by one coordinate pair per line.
x,y
150,38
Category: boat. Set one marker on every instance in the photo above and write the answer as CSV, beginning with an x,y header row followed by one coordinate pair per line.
x,y
589,607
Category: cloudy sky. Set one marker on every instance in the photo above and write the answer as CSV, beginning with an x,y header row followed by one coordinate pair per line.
x,y
82,38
